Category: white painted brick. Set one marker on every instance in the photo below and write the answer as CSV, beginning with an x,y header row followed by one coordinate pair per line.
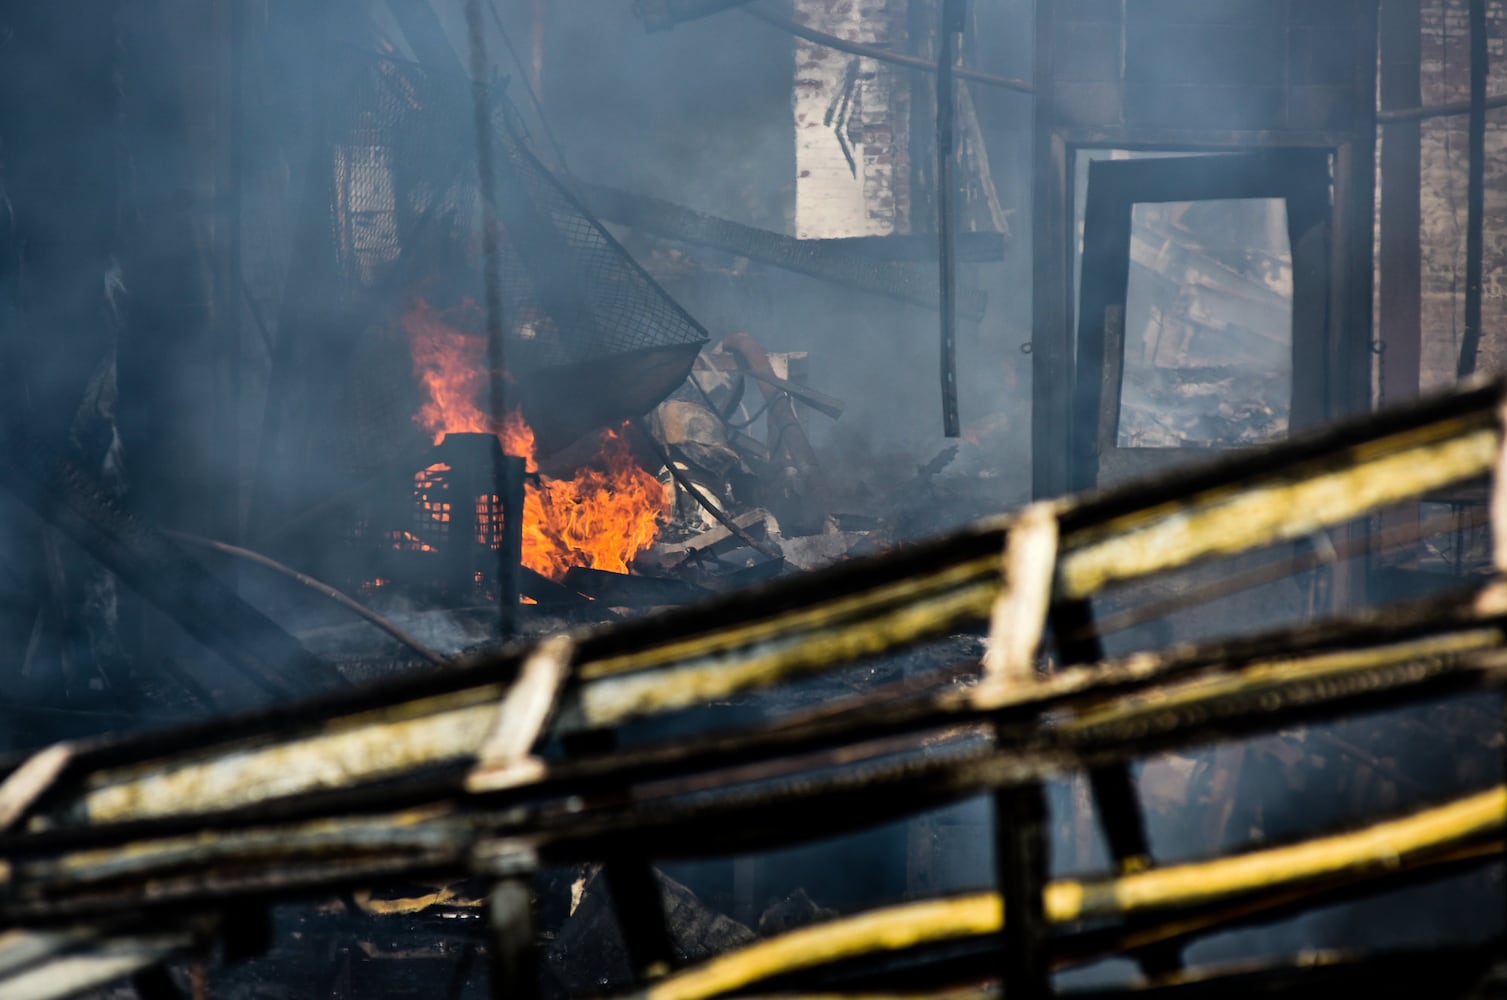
x,y
870,197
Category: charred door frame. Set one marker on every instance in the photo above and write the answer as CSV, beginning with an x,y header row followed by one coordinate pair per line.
x,y
1347,387
1300,177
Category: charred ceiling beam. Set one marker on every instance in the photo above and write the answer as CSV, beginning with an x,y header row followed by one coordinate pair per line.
x,y
813,258
1390,116
973,247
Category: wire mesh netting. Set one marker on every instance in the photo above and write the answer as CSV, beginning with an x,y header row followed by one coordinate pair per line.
x,y
394,228
406,203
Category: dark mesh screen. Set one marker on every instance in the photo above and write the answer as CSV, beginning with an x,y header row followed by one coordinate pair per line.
x,y
395,219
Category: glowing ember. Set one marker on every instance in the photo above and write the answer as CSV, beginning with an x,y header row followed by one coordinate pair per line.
x,y
408,540
607,513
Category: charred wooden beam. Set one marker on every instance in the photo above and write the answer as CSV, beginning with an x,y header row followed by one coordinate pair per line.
x,y
632,591
1113,786
1453,110
1020,818
1368,651
812,258
1436,837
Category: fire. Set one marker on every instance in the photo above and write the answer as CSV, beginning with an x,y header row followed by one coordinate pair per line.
x,y
608,512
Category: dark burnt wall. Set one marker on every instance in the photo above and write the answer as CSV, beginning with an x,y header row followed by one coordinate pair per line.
x,y
1445,79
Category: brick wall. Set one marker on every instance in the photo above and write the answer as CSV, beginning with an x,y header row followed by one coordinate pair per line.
x,y
1445,78
852,171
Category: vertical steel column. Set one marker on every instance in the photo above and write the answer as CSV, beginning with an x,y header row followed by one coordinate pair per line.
x,y
1020,818
1400,288
953,19
1113,786
1475,189
231,304
510,485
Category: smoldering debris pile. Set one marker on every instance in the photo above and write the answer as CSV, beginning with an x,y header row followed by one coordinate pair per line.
x,y
748,498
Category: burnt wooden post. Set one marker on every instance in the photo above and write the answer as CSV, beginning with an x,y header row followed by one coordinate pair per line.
x,y
1113,786
1020,817
641,916
632,884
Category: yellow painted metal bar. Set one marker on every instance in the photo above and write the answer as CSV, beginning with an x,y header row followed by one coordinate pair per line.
x,y
1388,846
1238,519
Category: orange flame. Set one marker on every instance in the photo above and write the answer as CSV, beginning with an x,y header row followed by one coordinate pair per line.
x,y
602,517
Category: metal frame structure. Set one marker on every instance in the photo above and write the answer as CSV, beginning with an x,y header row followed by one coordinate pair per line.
x,y
493,768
